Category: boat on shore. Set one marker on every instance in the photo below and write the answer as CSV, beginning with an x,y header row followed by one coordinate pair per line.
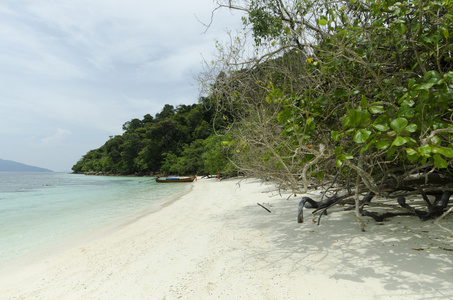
x,y
176,179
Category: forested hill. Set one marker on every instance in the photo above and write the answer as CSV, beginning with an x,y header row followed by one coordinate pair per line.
x,y
177,140
12,166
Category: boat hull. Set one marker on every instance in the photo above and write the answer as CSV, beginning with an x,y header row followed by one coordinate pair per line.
x,y
188,179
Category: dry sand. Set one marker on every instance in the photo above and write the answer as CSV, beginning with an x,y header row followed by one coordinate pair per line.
x,y
216,243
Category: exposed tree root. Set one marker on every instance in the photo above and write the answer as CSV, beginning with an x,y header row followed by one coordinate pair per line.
x,y
435,209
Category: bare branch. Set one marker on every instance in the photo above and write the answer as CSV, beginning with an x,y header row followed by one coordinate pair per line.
x,y
433,133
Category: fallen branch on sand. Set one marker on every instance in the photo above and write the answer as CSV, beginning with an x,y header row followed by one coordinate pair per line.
x,y
264,208
434,209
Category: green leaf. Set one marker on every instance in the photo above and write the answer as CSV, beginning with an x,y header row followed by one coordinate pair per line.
x,y
435,140
335,135
382,144
359,118
363,102
399,125
446,33
338,150
380,127
382,119
376,109
413,158
405,111
439,162
320,175
322,22
411,151
425,150
338,162
411,141
339,159
447,152
361,136
390,152
432,76
346,122
391,133
412,128
403,97
399,141
425,86
402,28
367,146
408,102
287,30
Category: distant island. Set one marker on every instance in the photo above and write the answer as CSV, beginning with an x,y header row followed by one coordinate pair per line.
x,y
12,166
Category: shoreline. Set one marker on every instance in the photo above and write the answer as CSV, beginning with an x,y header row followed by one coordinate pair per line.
x,y
216,242
86,236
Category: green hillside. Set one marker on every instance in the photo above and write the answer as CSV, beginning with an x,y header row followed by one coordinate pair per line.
x,y
176,140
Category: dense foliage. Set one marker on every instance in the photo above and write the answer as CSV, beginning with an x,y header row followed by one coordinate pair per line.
x,y
351,93
177,140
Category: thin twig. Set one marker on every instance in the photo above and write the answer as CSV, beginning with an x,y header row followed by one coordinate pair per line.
x,y
264,208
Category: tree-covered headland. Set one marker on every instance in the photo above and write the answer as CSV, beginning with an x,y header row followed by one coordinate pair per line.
x,y
176,141
350,95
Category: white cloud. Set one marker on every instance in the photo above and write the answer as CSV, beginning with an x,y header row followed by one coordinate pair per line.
x,y
91,65
61,134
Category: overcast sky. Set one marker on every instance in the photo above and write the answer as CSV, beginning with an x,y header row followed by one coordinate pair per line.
x,y
74,71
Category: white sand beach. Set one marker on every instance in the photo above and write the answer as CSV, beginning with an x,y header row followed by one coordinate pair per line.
x,y
215,242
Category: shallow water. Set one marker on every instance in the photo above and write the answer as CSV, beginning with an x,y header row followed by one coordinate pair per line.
x,y
38,210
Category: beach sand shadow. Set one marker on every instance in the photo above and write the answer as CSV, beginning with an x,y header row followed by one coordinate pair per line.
x,y
404,255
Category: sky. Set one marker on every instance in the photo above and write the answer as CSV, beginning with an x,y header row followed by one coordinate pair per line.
x,y
72,72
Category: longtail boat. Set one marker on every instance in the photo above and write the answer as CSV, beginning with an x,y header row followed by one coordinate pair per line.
x,y
176,179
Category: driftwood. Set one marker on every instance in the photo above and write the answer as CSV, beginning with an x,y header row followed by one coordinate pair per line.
x,y
435,209
319,205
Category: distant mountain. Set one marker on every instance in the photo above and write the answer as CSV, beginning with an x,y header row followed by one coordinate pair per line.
x,y
12,166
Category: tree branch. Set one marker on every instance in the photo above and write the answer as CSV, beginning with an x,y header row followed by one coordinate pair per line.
x,y
433,133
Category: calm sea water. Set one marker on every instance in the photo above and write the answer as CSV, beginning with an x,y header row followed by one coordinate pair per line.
x,y
38,210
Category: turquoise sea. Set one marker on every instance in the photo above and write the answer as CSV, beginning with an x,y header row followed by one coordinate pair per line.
x,y
39,211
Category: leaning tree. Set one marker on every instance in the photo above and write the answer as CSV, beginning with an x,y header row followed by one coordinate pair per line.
x,y
354,95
